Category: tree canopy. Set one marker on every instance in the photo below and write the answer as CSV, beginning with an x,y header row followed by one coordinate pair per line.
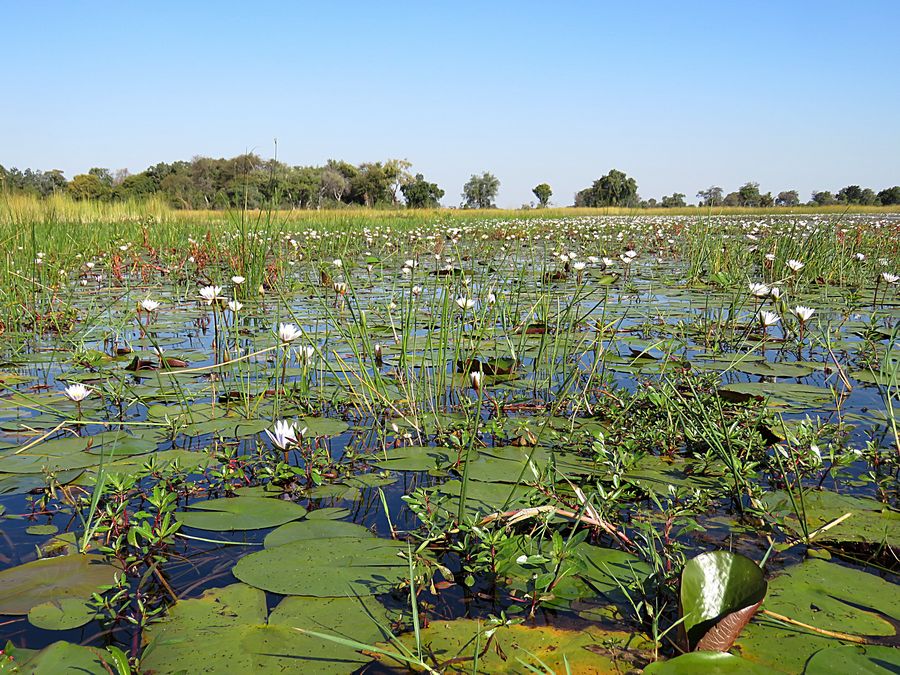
x,y
479,192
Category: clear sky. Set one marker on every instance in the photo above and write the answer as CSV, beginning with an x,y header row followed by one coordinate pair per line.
x,y
679,95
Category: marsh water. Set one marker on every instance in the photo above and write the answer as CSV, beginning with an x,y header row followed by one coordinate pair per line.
x,y
577,354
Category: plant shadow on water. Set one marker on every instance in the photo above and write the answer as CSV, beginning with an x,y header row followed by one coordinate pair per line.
x,y
448,446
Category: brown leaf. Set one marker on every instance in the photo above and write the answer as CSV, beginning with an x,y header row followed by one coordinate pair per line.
x,y
721,637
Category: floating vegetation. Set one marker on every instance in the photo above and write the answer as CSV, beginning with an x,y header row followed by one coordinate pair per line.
x,y
451,444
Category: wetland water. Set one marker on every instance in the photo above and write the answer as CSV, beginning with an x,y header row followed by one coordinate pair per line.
x,y
536,421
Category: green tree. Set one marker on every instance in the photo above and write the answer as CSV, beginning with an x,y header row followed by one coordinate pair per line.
x,y
543,192
823,198
711,196
420,194
676,200
88,186
480,191
788,198
749,194
889,196
613,189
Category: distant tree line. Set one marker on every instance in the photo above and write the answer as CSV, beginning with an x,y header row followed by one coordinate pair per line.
x,y
617,189
252,182
245,180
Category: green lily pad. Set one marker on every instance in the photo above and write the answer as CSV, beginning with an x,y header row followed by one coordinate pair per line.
x,y
327,567
707,663
414,458
49,579
823,594
451,647
41,530
228,630
69,659
314,529
871,521
62,614
868,659
240,513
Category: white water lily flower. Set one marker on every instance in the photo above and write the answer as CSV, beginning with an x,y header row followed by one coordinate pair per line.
x,y
288,332
579,266
768,319
149,305
631,254
608,262
283,434
625,260
340,287
775,292
795,265
465,303
305,354
759,290
77,392
859,256
889,278
211,294
803,313
491,298
235,306
337,262
237,280
475,377
770,257
416,290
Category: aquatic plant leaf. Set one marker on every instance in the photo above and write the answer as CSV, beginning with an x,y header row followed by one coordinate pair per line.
x,y
868,659
821,594
720,592
708,663
314,529
517,649
322,426
68,576
872,522
240,513
65,657
327,567
227,630
62,614
780,393
415,458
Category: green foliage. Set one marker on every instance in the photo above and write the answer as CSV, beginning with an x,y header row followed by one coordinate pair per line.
x,y
479,192
613,189
420,194
543,192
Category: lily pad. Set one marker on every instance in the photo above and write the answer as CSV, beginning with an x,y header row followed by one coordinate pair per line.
x,y
707,663
228,630
868,659
49,579
326,567
240,513
451,647
65,657
871,521
62,614
821,594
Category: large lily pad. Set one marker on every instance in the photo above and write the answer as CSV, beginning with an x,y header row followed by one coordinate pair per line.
x,y
326,567
65,658
707,663
821,594
51,579
451,647
871,521
240,513
868,659
228,630
62,614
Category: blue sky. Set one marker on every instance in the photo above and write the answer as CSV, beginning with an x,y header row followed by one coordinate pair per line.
x,y
681,95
